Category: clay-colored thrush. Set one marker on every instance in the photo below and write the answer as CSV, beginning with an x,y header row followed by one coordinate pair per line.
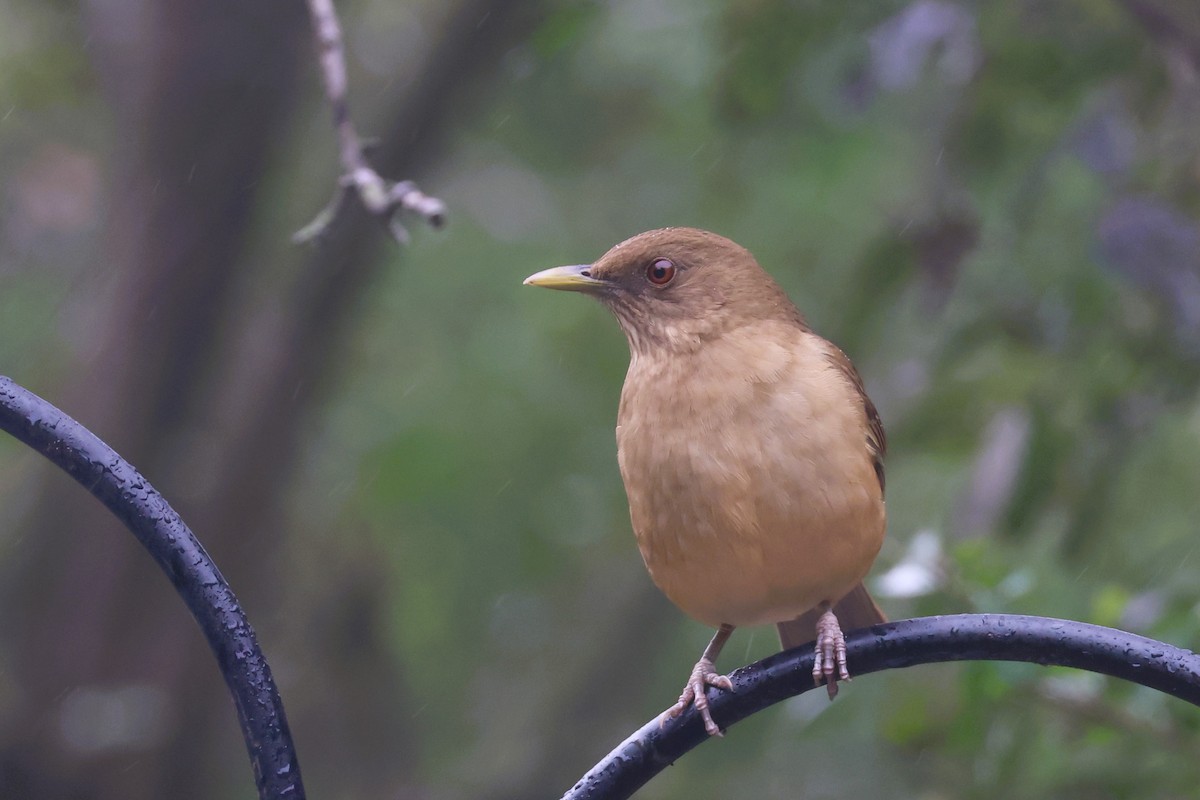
x,y
752,457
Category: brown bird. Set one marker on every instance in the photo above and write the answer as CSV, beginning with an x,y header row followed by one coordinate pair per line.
x,y
751,456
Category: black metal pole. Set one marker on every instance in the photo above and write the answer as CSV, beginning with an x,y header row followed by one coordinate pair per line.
x,y
966,637
129,496
635,761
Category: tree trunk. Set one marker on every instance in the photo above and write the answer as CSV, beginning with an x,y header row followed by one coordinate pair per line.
x,y
206,394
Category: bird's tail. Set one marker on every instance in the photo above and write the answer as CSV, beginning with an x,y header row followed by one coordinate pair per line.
x,y
856,610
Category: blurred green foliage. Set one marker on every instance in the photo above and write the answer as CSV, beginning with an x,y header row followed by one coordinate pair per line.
x,y
931,182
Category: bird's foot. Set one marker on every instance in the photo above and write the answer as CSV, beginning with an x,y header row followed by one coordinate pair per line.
x,y
829,665
704,674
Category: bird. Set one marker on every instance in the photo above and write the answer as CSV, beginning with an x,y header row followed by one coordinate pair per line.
x,y
751,455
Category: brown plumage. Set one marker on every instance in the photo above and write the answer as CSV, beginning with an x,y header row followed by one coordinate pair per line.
x,y
752,458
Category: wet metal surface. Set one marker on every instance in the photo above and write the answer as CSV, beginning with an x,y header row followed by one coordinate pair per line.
x,y
928,640
129,496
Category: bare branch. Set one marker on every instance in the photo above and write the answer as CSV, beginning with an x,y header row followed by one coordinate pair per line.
x,y
324,218
382,198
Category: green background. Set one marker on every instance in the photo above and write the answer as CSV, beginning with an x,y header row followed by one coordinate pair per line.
x,y
404,460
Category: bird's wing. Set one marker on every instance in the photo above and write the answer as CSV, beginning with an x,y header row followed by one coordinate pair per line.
x,y
876,438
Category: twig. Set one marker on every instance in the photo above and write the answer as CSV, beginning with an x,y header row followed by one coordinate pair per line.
x,y
131,498
384,199
963,637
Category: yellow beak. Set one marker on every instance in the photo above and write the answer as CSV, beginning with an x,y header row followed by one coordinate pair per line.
x,y
570,279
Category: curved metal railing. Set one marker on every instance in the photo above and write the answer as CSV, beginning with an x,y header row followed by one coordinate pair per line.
x,y
968,637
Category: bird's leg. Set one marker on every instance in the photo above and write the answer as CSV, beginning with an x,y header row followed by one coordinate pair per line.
x,y
831,653
704,674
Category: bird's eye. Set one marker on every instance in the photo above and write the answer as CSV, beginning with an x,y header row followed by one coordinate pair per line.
x,y
660,272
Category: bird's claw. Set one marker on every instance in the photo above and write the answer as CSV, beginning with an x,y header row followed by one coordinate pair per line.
x,y
704,674
830,654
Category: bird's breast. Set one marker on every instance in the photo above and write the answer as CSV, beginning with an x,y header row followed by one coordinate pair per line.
x,y
751,489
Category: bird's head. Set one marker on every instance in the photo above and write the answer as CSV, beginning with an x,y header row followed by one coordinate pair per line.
x,y
675,288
